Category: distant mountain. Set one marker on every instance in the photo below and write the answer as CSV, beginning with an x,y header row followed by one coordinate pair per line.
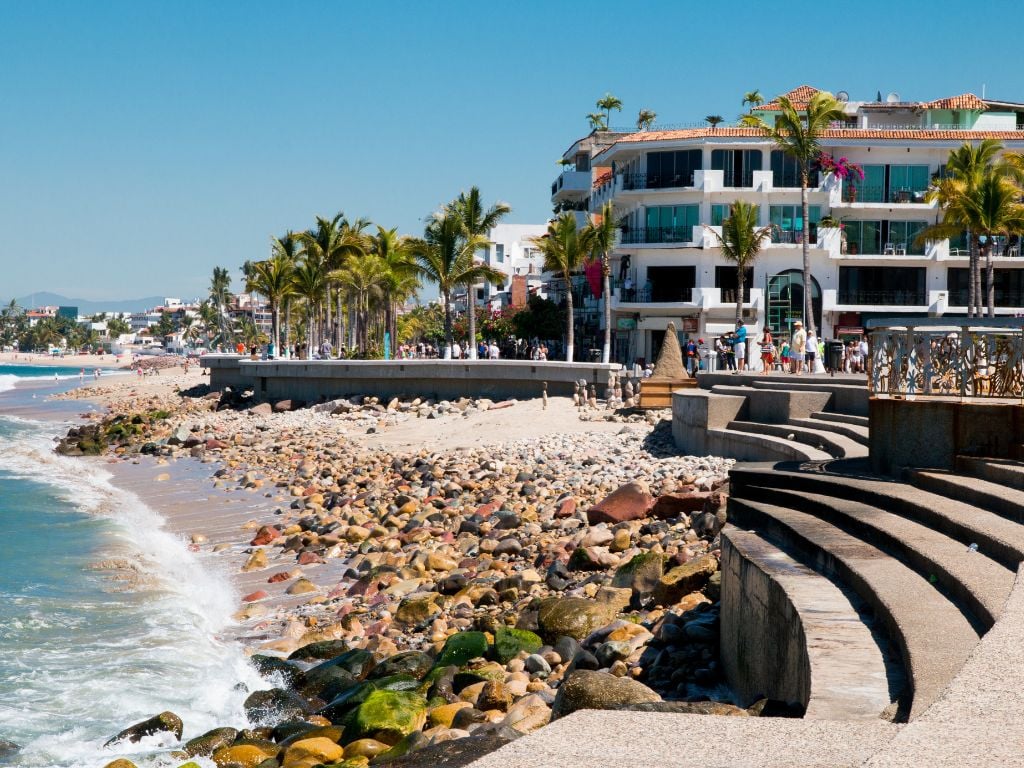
x,y
85,307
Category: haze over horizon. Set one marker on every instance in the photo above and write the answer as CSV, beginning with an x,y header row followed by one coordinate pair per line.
x,y
145,143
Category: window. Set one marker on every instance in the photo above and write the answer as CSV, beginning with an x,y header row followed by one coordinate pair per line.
x,y
671,223
1009,287
499,253
719,213
863,237
725,278
787,220
786,171
872,237
901,286
737,165
667,284
671,169
902,234
871,190
907,183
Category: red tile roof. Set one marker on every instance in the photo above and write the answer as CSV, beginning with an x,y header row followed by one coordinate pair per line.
x,y
799,96
963,101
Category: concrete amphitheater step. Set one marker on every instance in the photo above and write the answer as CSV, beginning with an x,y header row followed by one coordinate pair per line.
x,y
996,536
850,431
835,445
934,636
978,584
842,418
840,648
995,497
1003,471
751,446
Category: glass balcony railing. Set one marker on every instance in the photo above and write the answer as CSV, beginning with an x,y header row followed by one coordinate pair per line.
x,y
889,297
787,236
958,298
657,235
634,181
859,193
656,294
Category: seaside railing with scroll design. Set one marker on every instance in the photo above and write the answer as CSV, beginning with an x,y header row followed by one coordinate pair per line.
x,y
943,359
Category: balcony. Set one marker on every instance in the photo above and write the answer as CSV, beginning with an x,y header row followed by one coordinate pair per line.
x,y
883,298
682,236
570,184
1004,298
791,237
655,294
877,194
643,181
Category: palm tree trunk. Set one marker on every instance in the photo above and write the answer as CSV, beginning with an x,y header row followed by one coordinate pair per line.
x,y
388,317
471,308
606,287
338,325
740,287
287,320
327,313
990,279
808,303
570,334
973,299
275,327
447,326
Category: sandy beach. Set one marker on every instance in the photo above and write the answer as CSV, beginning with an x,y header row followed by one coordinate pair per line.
x,y
518,544
89,362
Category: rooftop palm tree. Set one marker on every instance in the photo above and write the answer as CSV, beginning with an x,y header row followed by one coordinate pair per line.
x,y
798,135
645,119
753,99
741,241
272,279
601,234
597,122
713,120
445,256
476,222
564,247
608,103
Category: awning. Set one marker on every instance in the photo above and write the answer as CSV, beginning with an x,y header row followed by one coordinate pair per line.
x,y
849,331
719,329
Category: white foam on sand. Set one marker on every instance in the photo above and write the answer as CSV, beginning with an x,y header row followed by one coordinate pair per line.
x,y
162,652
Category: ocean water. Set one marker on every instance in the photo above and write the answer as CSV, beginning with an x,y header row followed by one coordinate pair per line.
x,y
105,618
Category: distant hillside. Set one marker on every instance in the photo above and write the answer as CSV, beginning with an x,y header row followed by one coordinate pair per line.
x,y
86,307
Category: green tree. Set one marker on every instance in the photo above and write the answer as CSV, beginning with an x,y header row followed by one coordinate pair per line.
x,y
309,280
477,223
445,256
798,134
220,297
601,234
608,103
753,99
165,326
741,241
401,279
597,121
117,326
287,248
272,279
363,279
645,119
564,247
713,120
541,319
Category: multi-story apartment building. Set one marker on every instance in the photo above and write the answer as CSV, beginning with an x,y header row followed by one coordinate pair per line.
x,y
511,252
671,188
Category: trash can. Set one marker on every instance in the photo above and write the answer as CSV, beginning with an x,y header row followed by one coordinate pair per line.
x,y
833,356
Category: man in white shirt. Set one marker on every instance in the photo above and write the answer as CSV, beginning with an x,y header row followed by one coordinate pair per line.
x,y
493,353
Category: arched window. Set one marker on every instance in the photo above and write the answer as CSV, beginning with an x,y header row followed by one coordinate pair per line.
x,y
785,303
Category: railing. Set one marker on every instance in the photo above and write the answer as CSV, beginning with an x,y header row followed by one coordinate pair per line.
x,y
786,236
791,181
879,194
958,298
984,358
632,181
655,295
746,180
892,298
657,235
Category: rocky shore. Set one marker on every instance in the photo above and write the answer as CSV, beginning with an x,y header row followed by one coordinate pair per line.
x,y
426,605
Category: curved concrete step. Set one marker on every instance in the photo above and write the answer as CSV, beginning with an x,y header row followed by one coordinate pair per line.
x,y
977,583
853,432
1003,471
848,675
835,445
995,497
742,445
996,537
934,636
842,418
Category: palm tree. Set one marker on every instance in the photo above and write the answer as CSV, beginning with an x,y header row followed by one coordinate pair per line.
x,y
597,121
645,119
272,279
329,244
401,279
309,280
286,247
601,234
987,205
564,248
445,256
741,242
713,120
476,222
220,297
798,135
363,279
608,103
753,99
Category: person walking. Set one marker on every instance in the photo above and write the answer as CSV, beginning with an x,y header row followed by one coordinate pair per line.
x,y
767,352
798,347
690,353
811,353
739,346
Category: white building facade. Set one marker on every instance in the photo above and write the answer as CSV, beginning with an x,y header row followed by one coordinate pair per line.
x,y
670,189
512,252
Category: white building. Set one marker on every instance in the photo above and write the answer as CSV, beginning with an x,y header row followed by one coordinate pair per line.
x,y
511,252
668,187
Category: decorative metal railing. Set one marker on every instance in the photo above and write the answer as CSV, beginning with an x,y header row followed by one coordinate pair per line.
x,y
943,359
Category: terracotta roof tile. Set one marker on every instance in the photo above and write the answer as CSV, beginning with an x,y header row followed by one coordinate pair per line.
x,y
800,96
963,101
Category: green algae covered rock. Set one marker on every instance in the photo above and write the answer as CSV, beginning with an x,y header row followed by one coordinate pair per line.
x,y
574,617
387,716
461,647
210,742
509,643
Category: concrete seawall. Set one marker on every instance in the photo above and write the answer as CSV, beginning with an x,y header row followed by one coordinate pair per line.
x,y
313,380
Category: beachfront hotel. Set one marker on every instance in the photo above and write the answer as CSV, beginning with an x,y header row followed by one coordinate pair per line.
x,y
668,185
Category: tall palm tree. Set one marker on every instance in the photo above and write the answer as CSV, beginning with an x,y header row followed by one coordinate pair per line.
x,y
753,99
608,103
988,206
286,247
401,279
309,280
445,256
645,119
329,244
741,241
363,278
220,297
476,222
564,247
601,233
272,279
798,134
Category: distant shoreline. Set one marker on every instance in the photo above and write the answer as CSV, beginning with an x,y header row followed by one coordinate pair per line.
x,y
68,361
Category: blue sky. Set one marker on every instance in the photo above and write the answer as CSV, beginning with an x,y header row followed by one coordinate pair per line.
x,y
143,143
